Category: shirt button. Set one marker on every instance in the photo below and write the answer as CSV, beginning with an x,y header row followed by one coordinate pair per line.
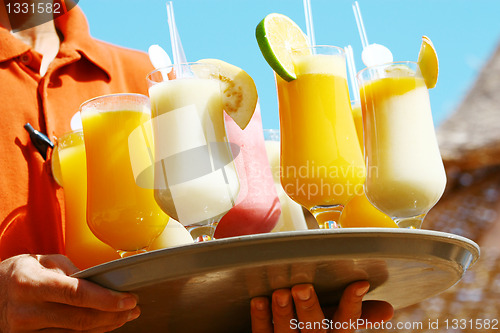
x,y
26,58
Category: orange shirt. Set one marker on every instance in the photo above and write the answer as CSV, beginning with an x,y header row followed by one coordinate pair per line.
x,y
31,203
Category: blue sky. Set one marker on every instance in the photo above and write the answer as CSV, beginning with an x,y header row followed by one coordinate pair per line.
x,y
464,32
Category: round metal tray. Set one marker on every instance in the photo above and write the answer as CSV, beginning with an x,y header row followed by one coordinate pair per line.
x,y
207,287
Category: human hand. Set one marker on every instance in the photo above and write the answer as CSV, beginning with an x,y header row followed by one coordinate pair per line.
x,y
282,316
37,293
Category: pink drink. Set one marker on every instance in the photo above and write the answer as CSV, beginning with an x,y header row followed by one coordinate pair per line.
x,y
257,209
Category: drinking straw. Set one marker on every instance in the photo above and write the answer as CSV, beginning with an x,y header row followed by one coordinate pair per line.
x,y
309,22
372,54
359,22
351,66
175,40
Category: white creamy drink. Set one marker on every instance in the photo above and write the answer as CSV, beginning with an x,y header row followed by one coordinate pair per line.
x,y
195,177
405,175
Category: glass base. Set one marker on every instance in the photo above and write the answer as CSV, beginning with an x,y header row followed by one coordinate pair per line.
x,y
327,216
124,254
410,222
329,225
202,233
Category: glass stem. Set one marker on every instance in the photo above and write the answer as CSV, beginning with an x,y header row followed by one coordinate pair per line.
x,y
327,216
124,254
202,233
414,222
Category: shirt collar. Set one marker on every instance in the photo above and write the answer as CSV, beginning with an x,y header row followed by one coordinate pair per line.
x,y
76,37
15,47
76,40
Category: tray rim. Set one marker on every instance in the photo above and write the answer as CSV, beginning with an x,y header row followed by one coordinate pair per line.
x,y
142,258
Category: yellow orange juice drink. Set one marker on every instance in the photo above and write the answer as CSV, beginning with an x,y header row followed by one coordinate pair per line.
x,y
406,175
121,213
83,248
321,161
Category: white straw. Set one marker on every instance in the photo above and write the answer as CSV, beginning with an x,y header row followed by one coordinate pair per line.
x,y
172,30
359,22
175,40
351,66
309,22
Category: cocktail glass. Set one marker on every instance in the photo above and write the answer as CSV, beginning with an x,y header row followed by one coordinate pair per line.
x,y
322,165
82,246
405,172
196,181
121,209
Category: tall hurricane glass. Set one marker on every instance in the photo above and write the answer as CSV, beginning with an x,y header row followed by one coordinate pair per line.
x,y
322,165
405,172
196,181
121,210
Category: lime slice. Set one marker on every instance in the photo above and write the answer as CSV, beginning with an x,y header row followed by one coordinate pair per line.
x,y
428,62
239,93
277,35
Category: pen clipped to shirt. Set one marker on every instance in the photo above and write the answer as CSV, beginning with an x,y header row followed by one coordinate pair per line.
x,y
39,140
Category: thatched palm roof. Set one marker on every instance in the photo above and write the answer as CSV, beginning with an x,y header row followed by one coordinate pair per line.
x,y
470,138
